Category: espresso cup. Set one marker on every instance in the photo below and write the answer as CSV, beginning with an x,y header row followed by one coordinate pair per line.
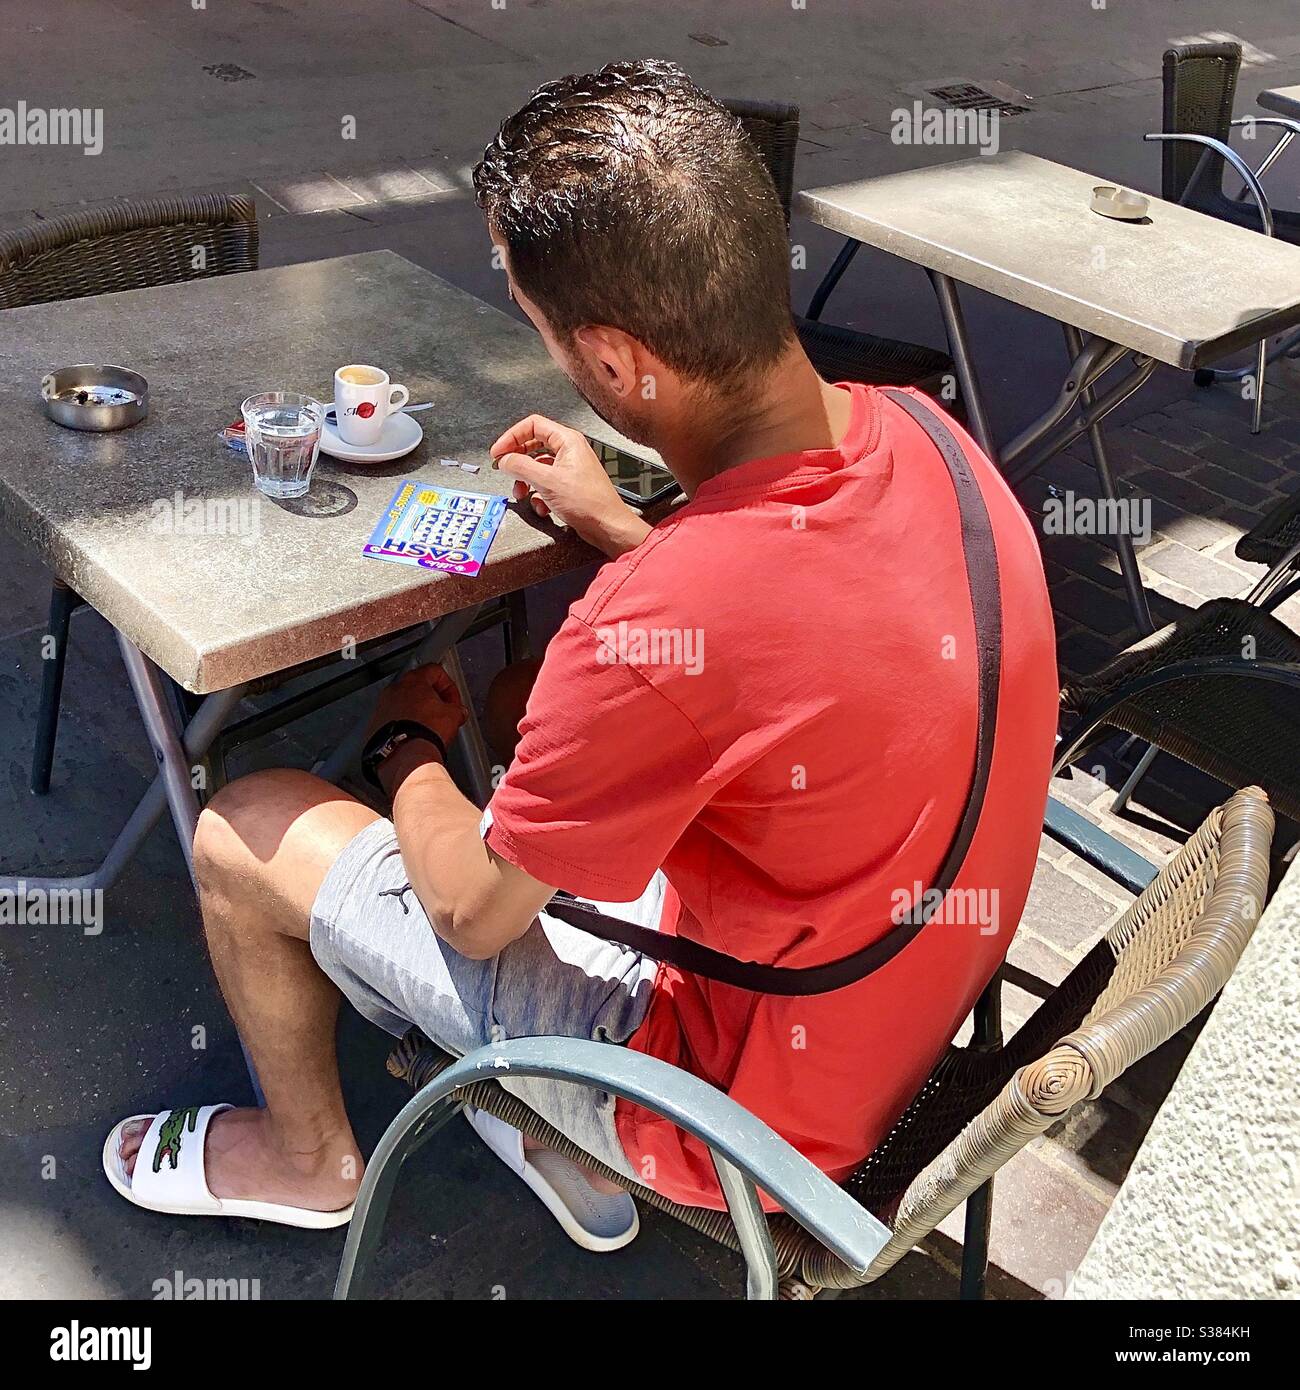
x,y
363,399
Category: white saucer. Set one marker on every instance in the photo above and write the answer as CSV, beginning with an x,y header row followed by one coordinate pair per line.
x,y
401,433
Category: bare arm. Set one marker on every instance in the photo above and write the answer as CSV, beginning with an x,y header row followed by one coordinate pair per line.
x,y
475,900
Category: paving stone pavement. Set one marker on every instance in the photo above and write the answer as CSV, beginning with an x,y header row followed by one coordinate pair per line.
x,y
103,1026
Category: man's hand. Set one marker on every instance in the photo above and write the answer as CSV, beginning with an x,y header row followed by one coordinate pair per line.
x,y
427,695
558,471
474,899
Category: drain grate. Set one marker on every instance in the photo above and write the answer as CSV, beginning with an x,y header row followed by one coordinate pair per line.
x,y
708,40
228,72
968,96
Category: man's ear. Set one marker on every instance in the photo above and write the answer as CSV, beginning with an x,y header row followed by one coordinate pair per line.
x,y
614,356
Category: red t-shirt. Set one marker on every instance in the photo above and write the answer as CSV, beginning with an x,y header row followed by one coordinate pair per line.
x,y
773,698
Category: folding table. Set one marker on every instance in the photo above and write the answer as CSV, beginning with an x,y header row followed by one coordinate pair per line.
x,y
159,528
1177,287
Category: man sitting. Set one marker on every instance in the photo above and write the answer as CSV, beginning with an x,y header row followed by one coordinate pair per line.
x,y
756,729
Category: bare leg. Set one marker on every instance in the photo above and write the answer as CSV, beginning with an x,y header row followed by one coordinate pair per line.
x,y
261,852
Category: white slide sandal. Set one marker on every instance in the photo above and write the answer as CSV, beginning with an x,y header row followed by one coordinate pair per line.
x,y
169,1173
597,1221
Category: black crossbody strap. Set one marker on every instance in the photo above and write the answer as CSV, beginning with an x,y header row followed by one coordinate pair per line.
x,y
986,603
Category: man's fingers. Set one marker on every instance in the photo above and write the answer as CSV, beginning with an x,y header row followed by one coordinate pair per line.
x,y
531,470
536,428
434,677
444,685
540,507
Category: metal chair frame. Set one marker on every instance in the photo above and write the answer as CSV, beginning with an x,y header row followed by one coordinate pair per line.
x,y
1196,191
1281,581
1251,182
746,1154
1129,1010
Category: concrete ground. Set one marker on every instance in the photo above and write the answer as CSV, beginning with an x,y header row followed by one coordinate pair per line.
x,y
261,97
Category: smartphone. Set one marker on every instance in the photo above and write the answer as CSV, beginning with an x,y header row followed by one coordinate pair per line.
x,y
636,480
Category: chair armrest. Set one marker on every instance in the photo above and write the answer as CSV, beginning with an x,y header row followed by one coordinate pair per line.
x,y
1193,668
1226,152
1094,846
1286,122
1290,129
819,1205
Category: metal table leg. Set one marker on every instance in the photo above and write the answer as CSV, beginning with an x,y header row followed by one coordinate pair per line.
x,y
165,739
1128,562
177,752
63,601
1048,436
194,743
843,258
1096,359
469,747
954,323
1090,362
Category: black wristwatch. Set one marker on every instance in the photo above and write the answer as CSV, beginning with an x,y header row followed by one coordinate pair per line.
x,y
387,739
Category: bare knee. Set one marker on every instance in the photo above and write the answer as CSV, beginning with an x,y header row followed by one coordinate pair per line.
x,y
265,842
246,820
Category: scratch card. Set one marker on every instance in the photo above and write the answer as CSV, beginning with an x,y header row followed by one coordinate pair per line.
x,y
437,528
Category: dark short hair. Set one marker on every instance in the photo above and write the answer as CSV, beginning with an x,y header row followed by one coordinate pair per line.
x,y
631,198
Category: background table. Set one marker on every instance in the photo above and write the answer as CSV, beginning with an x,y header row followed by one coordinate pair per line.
x,y
1179,287
1284,100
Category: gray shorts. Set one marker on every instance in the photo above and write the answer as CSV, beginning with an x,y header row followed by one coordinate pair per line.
x,y
376,944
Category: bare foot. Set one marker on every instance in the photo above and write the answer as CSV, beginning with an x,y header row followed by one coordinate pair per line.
x,y
598,1181
244,1157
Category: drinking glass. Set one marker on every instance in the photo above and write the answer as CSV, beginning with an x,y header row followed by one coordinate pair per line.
x,y
282,436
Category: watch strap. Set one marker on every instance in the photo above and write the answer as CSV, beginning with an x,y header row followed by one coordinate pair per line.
x,y
381,745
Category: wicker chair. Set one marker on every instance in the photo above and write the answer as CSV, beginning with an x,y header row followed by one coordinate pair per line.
x,y
1275,541
839,354
1165,959
1200,85
125,246
1218,689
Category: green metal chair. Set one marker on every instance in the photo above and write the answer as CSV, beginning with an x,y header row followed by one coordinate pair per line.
x,y
1162,962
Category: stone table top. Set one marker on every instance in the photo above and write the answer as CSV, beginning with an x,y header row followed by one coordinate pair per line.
x,y
1284,100
139,521
1181,287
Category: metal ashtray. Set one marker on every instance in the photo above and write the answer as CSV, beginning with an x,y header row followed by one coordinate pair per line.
x,y
1119,203
95,398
